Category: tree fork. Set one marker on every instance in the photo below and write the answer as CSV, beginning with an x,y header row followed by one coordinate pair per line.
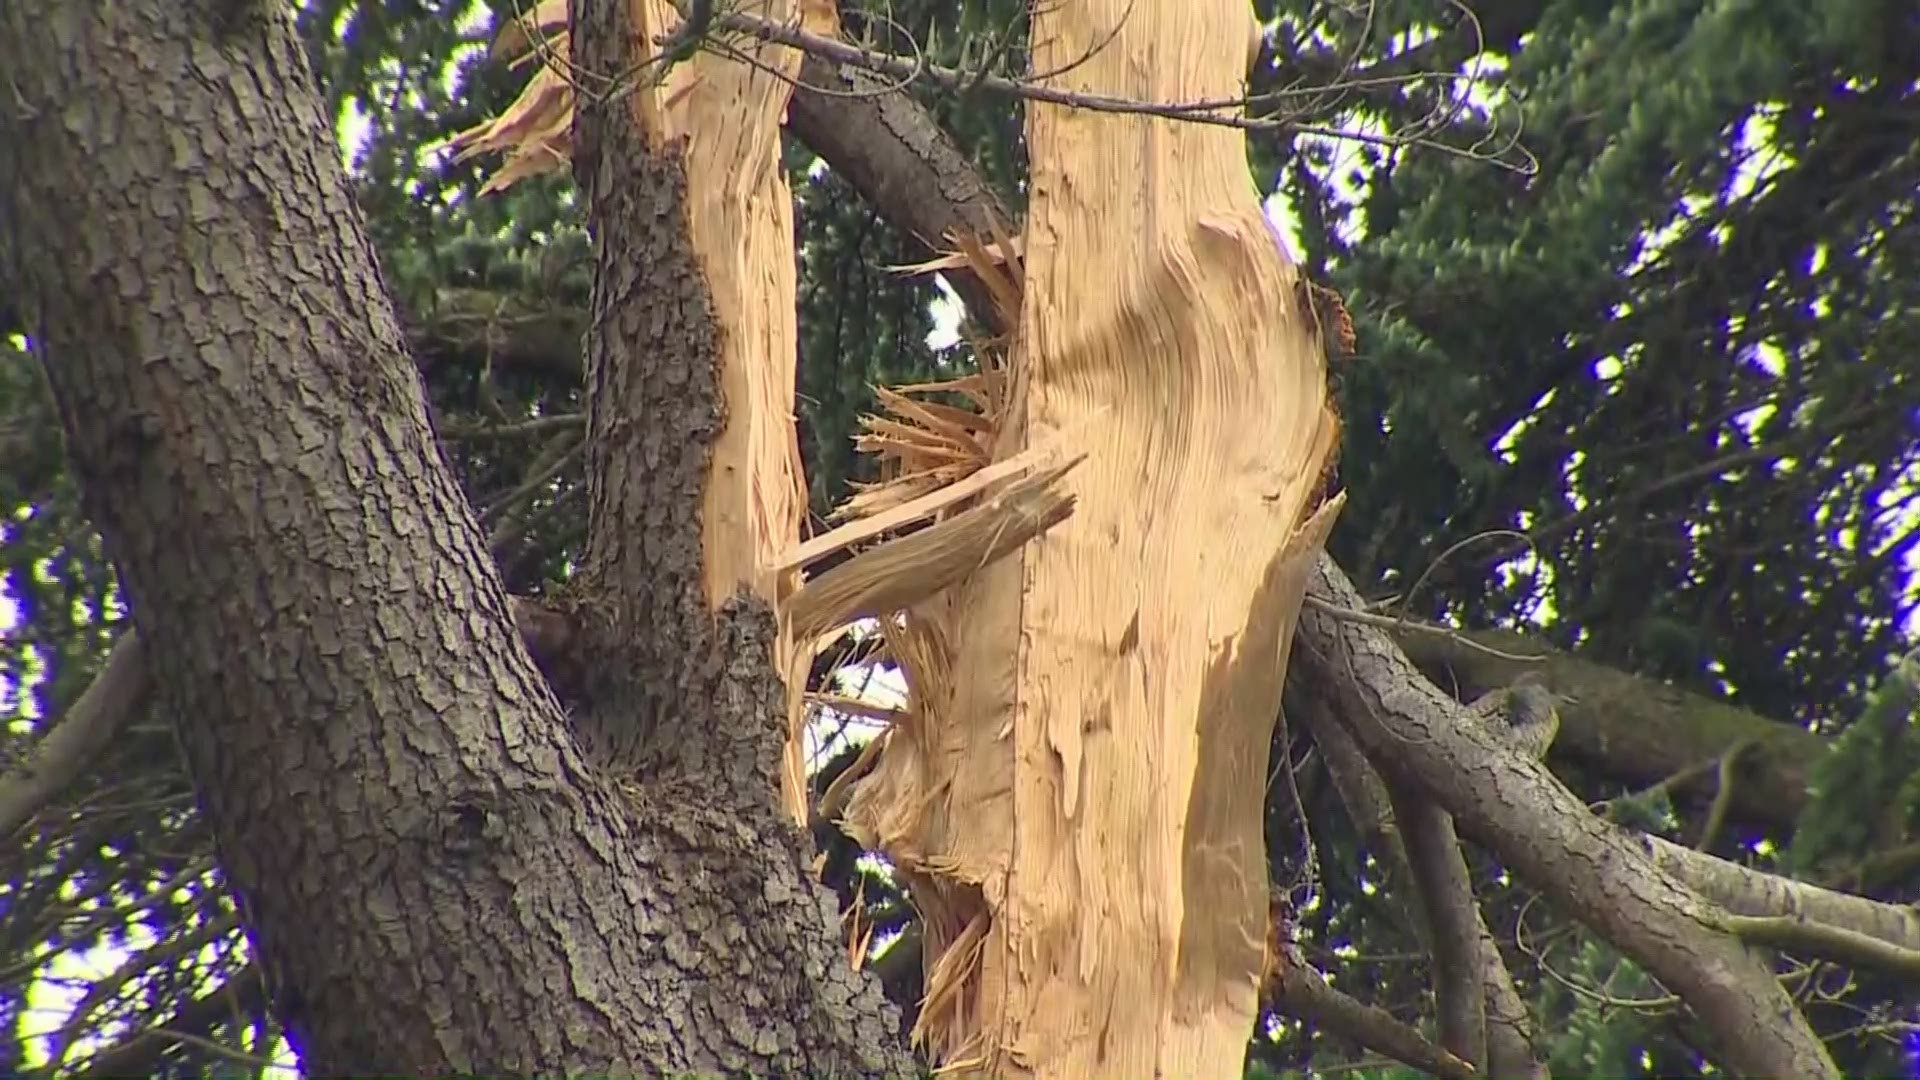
x,y
323,620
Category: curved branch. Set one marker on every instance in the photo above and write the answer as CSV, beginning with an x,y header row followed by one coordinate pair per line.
x,y
1302,992
66,750
1510,1049
904,165
1513,806
1745,891
1634,729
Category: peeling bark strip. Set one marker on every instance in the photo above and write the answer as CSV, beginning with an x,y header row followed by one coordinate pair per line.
x,y
704,333
433,881
1078,802
727,347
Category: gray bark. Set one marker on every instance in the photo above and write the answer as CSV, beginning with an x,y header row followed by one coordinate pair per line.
x,y
432,876
1511,805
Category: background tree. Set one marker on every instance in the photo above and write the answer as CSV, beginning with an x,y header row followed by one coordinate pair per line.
x,y
1674,357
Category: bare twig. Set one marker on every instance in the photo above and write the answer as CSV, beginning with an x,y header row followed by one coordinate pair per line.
x,y
139,1053
1410,626
1222,112
539,425
557,457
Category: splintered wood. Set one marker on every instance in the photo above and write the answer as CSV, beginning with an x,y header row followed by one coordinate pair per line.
x,y
724,116
1074,791
1087,560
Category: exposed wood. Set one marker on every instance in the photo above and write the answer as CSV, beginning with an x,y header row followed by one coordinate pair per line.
x,y
1076,793
719,119
906,571
916,510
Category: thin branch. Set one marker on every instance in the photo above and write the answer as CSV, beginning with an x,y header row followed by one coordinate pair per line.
x,y
1743,890
140,1054
66,750
1410,626
1202,112
112,986
539,425
557,457
1453,921
1302,992
1835,943
1510,1050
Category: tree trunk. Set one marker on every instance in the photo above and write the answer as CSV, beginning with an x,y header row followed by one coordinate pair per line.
x,y
1076,795
433,877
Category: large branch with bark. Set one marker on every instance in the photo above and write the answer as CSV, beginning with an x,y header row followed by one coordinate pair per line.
x,y
323,620
1515,808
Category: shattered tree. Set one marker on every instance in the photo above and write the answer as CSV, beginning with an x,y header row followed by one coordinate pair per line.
x,y
1074,793
1065,829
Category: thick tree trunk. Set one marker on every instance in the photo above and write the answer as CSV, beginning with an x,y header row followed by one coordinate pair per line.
x,y
432,877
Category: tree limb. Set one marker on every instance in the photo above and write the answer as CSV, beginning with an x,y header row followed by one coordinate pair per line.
x,y
1452,918
891,151
1509,1041
75,739
1745,891
1819,939
1302,992
1635,729
1514,806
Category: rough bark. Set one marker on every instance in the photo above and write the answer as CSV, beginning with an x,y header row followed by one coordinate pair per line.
x,y
395,796
1510,1046
1636,730
1511,805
